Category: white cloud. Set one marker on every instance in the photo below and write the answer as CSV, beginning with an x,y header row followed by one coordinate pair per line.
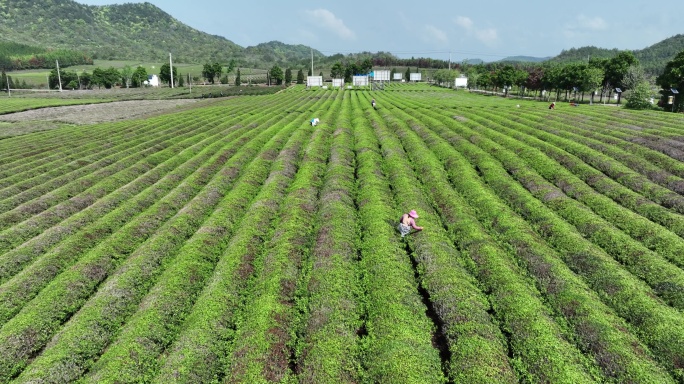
x,y
583,25
464,22
327,20
592,23
434,33
488,36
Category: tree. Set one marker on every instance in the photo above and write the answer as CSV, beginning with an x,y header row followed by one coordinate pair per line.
x,y
288,76
445,76
66,76
112,77
639,96
231,66
635,75
590,80
208,72
3,81
139,76
552,80
181,81
672,77
84,80
601,63
365,66
105,78
616,68
337,70
237,78
350,70
473,79
218,71
300,77
508,76
126,75
165,74
407,75
534,79
276,74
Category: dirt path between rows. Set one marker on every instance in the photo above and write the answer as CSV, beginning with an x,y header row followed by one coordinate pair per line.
x,y
100,113
42,119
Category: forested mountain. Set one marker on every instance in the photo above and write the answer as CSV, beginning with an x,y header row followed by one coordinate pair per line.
x,y
126,32
653,59
527,59
584,54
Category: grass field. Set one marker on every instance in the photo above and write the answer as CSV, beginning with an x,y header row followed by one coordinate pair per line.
x,y
233,242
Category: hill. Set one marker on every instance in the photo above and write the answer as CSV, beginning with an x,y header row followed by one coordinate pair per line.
x,y
526,59
653,58
139,31
280,53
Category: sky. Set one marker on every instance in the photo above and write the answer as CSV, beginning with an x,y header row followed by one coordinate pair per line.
x,y
443,29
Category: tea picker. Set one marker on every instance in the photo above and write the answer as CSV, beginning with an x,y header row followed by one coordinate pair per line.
x,y
408,221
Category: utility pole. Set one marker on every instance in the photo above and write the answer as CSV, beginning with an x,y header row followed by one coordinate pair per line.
x,y
312,62
171,66
59,77
9,93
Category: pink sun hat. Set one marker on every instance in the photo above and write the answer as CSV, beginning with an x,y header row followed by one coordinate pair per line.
x,y
413,214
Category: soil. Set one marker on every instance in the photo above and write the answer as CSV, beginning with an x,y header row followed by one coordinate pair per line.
x,y
100,113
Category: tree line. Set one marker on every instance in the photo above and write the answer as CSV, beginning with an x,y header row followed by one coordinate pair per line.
x,y
600,77
14,57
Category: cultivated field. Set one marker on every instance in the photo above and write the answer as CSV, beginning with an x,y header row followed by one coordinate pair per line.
x,y
233,242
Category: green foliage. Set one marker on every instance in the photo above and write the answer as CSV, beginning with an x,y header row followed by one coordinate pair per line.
x,y
139,77
238,81
639,97
300,77
288,76
165,74
14,56
235,241
655,58
445,76
337,71
106,77
126,76
673,77
276,74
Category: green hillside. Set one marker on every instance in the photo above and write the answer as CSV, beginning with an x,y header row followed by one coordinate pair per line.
x,y
138,31
655,57
652,58
128,31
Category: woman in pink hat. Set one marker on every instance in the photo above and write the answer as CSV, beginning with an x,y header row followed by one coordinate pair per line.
x,y
408,221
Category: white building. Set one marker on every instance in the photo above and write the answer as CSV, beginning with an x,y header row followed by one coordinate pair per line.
x,y
461,81
152,80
